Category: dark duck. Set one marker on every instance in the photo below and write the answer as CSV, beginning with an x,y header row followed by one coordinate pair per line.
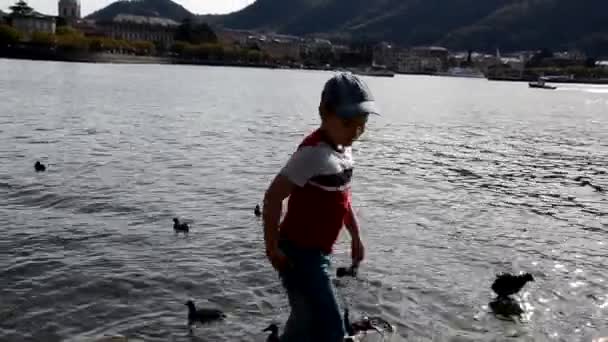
x,y
342,272
202,315
274,333
180,227
505,286
39,167
507,307
257,211
354,328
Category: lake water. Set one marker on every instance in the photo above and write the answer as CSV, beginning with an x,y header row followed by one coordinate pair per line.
x,y
459,179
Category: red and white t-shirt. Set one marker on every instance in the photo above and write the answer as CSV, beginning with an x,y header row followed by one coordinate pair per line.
x,y
319,204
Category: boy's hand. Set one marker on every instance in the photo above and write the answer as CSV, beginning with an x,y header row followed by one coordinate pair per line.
x,y
357,251
278,259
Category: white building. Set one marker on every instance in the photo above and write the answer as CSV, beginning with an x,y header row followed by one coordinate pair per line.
x,y
69,10
161,31
33,22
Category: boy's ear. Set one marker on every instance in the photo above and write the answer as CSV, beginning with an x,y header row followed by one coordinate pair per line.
x,y
326,110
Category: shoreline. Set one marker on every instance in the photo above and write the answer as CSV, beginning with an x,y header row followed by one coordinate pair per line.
x,y
111,58
37,54
600,81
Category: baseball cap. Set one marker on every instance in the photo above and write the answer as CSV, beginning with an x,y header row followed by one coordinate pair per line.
x,y
349,95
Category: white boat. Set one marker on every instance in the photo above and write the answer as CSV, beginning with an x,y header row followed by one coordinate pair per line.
x,y
541,85
462,72
374,72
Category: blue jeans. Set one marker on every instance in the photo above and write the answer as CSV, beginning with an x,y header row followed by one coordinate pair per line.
x,y
315,314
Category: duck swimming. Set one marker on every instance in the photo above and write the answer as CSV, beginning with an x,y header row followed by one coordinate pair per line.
x,y
257,211
274,333
202,315
506,284
342,272
364,325
347,325
180,227
506,306
39,167
595,187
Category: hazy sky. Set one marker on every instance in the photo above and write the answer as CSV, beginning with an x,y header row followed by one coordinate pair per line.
x,y
88,6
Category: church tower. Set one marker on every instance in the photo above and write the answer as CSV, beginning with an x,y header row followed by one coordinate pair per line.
x,y
69,10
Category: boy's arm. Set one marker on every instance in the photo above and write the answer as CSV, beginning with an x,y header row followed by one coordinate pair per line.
x,y
352,225
279,189
296,173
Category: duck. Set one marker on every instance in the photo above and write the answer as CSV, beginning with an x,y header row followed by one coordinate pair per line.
x,y
347,325
342,272
354,328
506,284
257,211
39,167
595,187
274,333
202,315
506,306
180,227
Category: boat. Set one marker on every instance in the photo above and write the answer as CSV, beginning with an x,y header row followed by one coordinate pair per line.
x,y
374,72
541,85
462,72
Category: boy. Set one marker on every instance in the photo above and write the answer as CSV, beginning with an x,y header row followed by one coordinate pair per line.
x,y
317,181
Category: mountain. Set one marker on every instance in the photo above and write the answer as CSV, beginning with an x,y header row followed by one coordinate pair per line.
x,y
151,8
458,24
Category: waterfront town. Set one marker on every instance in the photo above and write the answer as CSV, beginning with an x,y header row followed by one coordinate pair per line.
x,y
26,33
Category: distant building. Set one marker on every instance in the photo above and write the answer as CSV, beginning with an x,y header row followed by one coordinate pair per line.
x,y
234,37
317,50
421,60
32,22
280,49
386,55
276,46
69,10
602,64
160,31
88,27
573,55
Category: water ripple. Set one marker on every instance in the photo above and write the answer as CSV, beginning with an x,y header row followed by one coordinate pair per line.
x,y
450,189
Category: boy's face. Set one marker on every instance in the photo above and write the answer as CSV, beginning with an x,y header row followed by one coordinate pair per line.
x,y
346,131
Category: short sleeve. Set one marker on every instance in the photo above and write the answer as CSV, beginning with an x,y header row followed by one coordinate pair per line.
x,y
302,166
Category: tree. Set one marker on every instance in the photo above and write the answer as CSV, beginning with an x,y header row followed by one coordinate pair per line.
x,y
8,35
101,44
194,33
254,56
67,30
143,47
72,42
21,8
43,39
590,62
180,47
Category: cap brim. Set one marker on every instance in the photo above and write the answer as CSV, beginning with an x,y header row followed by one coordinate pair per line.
x,y
363,108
